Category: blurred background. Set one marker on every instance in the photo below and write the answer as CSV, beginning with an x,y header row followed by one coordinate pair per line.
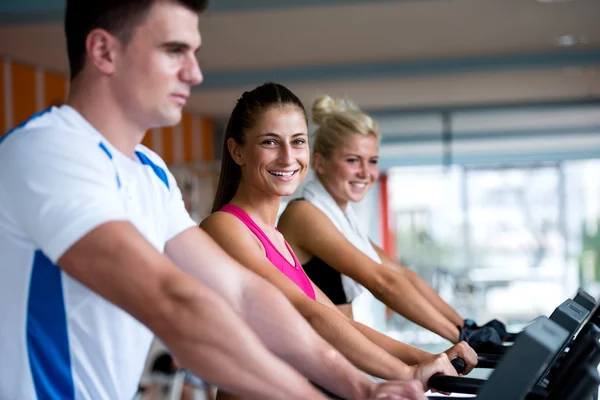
x,y
489,113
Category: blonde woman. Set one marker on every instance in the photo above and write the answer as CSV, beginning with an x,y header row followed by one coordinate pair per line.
x,y
336,254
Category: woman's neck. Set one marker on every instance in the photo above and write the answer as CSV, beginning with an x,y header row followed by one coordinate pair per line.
x,y
257,204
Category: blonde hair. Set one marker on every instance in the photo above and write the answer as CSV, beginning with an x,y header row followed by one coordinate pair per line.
x,y
336,120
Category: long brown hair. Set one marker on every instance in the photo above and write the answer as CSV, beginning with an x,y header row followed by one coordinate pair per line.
x,y
249,108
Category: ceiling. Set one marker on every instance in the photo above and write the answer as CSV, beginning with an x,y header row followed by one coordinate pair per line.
x,y
384,55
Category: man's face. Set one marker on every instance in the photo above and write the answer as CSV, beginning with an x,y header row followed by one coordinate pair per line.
x,y
157,68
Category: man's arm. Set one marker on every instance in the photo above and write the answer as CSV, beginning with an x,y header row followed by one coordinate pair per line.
x,y
60,193
268,312
331,324
195,323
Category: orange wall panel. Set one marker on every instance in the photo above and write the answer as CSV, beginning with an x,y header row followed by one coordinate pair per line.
x,y
3,127
168,151
55,90
147,141
188,143
23,82
208,139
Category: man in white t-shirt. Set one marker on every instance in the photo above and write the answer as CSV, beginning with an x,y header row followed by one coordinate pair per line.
x,y
97,251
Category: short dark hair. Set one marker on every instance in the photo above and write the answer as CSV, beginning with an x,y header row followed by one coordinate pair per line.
x,y
118,17
249,108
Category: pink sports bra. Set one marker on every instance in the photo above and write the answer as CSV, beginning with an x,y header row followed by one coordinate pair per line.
x,y
294,272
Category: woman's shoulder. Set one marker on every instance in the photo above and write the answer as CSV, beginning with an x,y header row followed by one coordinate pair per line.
x,y
301,209
301,217
218,220
228,230
296,206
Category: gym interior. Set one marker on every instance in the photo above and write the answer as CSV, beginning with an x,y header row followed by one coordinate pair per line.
x,y
489,115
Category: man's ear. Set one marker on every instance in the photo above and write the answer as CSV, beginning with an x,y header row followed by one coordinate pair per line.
x,y
102,50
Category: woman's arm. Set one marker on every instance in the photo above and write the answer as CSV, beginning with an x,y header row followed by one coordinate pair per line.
x,y
408,354
306,227
422,286
240,243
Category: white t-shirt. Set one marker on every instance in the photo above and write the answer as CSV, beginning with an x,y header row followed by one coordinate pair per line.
x,y
60,179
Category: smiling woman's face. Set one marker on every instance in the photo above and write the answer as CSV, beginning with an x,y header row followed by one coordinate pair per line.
x,y
351,170
275,156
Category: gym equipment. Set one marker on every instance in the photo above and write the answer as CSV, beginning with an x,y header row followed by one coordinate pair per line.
x,y
572,367
569,315
581,297
562,375
519,369
585,299
583,347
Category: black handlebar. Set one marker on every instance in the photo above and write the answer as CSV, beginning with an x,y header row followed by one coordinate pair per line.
x,y
492,349
455,384
458,384
459,365
488,360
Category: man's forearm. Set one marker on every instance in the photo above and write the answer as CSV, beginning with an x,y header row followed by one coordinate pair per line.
x,y
268,312
210,339
204,333
289,335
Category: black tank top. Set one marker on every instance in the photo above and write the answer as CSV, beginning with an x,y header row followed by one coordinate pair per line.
x,y
327,279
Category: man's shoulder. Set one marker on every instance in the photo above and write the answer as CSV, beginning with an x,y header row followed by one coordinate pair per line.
x,y
47,138
50,127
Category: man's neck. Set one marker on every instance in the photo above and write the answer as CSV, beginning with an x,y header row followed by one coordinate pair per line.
x,y
106,116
